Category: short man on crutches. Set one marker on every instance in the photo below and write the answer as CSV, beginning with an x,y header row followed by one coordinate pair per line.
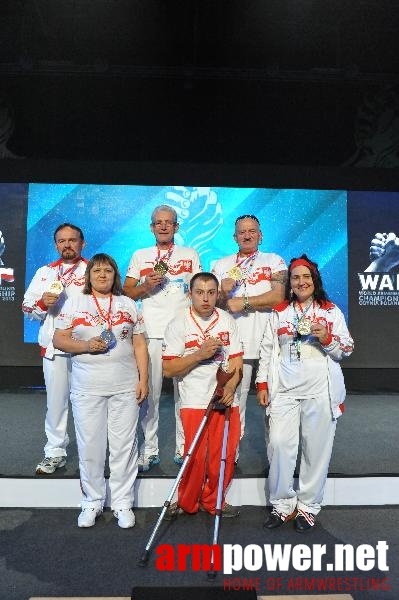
x,y
197,343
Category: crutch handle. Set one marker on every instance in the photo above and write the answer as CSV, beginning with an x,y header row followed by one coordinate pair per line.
x,y
219,406
222,377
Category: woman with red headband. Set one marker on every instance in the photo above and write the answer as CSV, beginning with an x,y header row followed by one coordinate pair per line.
x,y
300,383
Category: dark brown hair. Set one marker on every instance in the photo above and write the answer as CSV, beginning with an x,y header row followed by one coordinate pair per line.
x,y
75,227
319,294
101,259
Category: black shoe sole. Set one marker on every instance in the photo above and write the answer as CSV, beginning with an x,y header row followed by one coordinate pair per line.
x,y
273,524
304,529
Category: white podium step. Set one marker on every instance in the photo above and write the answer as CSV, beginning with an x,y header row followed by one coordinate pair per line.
x,y
150,492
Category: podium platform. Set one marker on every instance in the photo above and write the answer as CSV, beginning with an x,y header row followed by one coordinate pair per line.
x,y
364,468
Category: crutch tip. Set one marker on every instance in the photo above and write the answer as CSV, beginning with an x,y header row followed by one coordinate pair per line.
x,y
211,574
143,562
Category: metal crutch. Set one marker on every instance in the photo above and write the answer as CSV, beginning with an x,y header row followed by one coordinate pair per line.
x,y
218,512
222,377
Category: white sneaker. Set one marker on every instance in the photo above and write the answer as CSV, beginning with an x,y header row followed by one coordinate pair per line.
x,y
125,517
49,464
146,462
88,516
178,458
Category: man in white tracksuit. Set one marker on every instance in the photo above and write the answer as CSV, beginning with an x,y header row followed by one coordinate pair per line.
x,y
51,285
251,282
160,277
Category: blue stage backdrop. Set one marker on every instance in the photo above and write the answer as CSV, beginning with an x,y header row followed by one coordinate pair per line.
x,y
115,219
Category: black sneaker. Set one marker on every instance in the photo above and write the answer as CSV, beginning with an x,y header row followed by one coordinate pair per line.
x,y
304,521
276,519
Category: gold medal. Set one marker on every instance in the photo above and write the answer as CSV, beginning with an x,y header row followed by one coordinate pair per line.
x,y
56,287
161,267
304,327
235,273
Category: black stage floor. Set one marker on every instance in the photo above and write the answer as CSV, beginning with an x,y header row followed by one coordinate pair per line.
x,y
366,443
44,553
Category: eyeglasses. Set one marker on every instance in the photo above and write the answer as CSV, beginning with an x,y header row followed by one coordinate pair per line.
x,y
160,223
247,217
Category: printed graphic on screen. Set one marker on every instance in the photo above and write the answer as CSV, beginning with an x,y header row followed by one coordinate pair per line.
x,y
116,219
373,230
375,246
13,205
9,194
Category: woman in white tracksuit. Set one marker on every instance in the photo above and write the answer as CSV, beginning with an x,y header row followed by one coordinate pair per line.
x,y
300,382
102,331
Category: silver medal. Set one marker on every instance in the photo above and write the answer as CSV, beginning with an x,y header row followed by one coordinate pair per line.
x,y
108,337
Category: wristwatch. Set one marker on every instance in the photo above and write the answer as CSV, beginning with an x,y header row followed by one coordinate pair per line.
x,y
246,306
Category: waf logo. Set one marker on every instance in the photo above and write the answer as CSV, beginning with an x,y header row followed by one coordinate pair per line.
x,y
380,282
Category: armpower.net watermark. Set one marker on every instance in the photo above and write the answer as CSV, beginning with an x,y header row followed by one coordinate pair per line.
x,y
230,559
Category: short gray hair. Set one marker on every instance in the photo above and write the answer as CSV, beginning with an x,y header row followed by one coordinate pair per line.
x,y
163,207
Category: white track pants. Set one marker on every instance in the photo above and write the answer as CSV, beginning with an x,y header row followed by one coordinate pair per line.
x,y
287,416
243,390
57,373
96,419
150,408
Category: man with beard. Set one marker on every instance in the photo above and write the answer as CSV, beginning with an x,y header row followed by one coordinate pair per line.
x,y
43,300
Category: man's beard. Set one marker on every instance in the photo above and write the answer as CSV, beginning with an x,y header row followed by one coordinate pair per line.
x,y
69,254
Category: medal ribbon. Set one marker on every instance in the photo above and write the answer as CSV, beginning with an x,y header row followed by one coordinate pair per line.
x,y
298,320
62,276
166,257
106,318
210,326
250,258
246,271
